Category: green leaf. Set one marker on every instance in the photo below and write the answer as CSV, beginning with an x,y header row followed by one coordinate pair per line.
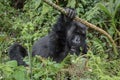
x,y
8,70
111,31
37,3
12,63
19,75
71,3
117,6
104,9
48,79
45,9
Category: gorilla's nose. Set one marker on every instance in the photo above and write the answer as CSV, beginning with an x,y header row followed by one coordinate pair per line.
x,y
76,40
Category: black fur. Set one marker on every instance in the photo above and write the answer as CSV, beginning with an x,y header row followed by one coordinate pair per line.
x,y
17,52
58,43
66,36
18,4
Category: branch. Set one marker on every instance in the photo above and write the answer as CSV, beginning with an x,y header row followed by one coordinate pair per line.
x,y
86,23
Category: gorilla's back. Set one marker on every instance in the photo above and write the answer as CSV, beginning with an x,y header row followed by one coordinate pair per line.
x,y
40,47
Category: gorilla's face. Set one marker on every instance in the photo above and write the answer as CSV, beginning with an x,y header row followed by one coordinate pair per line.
x,y
76,36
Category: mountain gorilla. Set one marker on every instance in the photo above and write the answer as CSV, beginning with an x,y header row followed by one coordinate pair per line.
x,y
66,36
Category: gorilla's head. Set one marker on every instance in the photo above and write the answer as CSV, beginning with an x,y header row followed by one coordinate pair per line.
x,y
76,36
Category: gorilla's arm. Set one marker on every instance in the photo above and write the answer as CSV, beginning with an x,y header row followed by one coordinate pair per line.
x,y
57,36
84,48
64,21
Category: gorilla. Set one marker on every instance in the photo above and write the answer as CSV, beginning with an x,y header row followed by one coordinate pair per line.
x,y
66,36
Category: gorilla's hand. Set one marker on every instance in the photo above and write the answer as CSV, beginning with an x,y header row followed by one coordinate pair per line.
x,y
71,13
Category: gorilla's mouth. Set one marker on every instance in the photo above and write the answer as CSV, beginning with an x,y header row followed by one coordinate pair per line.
x,y
73,49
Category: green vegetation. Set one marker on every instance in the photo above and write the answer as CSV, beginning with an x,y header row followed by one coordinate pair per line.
x,y
36,19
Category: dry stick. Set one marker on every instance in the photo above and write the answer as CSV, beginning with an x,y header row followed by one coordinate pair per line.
x,y
86,23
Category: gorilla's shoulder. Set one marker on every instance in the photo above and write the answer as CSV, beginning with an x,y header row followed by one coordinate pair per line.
x,y
42,41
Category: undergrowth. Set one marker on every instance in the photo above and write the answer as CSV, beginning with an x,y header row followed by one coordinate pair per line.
x,y
36,19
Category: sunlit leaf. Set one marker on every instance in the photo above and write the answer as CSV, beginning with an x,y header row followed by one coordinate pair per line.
x,y
71,3
12,63
45,8
103,8
19,75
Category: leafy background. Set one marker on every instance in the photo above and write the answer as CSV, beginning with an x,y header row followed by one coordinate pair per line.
x,y
36,19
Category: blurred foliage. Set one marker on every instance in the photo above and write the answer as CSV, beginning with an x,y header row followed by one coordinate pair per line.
x,y
36,19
